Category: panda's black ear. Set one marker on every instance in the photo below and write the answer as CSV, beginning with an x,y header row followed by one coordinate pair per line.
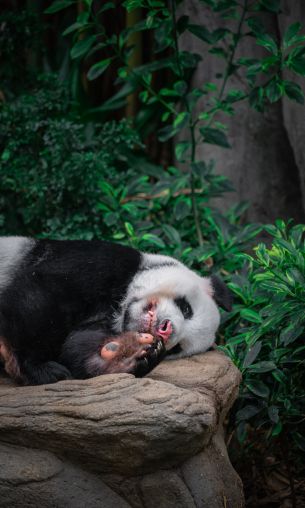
x,y
221,293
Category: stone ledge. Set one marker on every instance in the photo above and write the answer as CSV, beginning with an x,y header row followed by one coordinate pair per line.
x,y
125,433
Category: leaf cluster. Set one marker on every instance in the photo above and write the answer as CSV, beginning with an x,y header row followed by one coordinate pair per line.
x,y
265,337
51,164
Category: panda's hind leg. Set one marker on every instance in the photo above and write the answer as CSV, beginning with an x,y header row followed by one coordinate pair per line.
x,y
42,373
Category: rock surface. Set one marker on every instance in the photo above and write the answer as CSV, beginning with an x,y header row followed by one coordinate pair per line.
x,y
117,441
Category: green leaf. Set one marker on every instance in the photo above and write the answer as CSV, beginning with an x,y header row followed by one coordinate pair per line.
x,y
82,47
110,218
200,168
250,315
264,366
279,376
274,91
258,388
291,333
106,7
181,120
167,132
290,34
117,101
247,412
72,28
273,413
235,95
182,24
267,42
252,354
182,209
219,34
201,32
180,87
256,26
293,91
106,188
5,155
167,92
97,69
219,52
153,239
59,5
129,229
277,429
181,148
297,64
256,98
214,137
172,234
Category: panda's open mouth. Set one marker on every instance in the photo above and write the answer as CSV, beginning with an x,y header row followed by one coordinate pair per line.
x,y
163,329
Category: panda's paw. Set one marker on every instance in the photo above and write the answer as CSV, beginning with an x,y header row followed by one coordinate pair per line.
x,y
154,353
132,352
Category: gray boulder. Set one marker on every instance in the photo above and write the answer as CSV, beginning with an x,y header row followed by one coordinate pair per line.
x,y
117,441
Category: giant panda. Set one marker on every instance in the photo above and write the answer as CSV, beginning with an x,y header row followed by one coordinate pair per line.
x,y
79,309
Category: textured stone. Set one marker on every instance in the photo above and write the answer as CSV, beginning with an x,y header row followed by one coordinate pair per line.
x,y
211,374
32,478
211,478
119,442
121,424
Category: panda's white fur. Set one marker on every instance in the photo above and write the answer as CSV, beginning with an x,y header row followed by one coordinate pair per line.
x,y
13,250
165,279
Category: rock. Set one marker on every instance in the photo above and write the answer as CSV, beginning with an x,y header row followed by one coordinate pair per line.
x,y
116,422
211,374
32,478
121,441
211,478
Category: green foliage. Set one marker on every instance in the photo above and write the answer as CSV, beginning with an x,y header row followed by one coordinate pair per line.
x,y
265,338
173,109
154,212
52,165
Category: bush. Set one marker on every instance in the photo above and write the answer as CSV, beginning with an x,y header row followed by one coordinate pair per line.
x,y
265,339
52,165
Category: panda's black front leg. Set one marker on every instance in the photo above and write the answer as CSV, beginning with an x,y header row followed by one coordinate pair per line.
x,y
90,353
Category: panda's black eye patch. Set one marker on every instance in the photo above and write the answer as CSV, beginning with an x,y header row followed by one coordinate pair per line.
x,y
184,306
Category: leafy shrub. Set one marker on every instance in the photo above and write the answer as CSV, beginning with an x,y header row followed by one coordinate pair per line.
x,y
154,211
52,165
265,339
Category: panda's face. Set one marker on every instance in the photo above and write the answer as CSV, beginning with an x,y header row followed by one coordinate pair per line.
x,y
172,302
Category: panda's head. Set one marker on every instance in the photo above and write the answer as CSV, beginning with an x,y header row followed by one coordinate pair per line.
x,y
171,301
